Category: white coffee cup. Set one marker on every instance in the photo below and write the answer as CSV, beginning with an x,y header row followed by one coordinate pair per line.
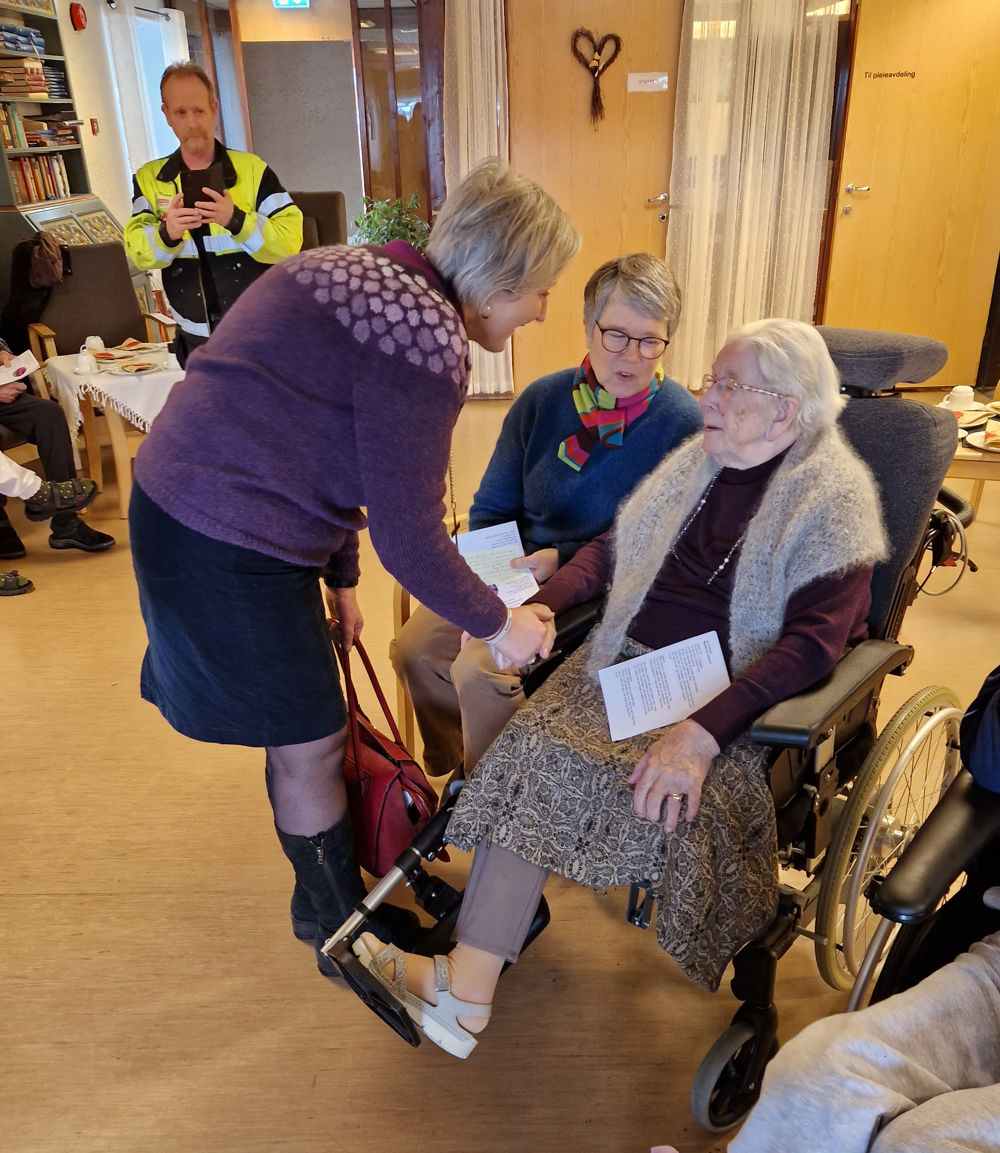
x,y
85,362
93,344
960,397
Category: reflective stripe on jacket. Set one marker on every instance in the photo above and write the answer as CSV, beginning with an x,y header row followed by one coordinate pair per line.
x,y
267,223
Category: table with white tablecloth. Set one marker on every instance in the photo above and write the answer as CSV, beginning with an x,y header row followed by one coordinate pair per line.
x,y
129,402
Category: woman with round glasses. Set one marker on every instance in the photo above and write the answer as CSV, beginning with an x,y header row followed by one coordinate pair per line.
x,y
764,530
572,447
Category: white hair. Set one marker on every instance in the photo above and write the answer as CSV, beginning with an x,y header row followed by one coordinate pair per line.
x,y
499,231
792,358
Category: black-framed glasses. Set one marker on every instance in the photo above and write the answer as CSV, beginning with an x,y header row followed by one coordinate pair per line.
x,y
729,387
650,347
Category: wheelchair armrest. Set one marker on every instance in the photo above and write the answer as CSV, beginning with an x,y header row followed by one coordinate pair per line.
x,y
572,629
802,720
958,505
962,824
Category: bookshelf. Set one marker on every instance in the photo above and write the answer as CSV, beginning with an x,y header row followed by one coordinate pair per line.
x,y
44,182
39,139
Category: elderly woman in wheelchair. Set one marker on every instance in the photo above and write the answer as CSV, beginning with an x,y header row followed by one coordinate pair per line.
x,y
764,529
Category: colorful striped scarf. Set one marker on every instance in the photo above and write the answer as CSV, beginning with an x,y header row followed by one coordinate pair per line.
x,y
603,417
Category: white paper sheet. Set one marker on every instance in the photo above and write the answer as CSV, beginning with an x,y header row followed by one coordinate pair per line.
x,y
489,551
664,686
18,368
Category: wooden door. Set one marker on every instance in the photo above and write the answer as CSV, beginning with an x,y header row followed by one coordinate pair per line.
x,y
602,174
916,243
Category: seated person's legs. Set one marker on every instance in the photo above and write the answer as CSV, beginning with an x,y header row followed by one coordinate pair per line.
x,y
966,1121
43,423
844,1076
422,656
487,697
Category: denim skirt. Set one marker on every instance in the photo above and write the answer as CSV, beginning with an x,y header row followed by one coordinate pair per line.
x,y
239,652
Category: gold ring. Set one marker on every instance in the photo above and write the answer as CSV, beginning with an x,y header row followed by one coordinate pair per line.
x,y
676,796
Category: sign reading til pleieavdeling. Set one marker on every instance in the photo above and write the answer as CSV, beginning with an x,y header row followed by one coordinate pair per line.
x,y
290,3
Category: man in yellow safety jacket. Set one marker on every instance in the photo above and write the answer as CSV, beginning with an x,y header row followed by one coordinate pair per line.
x,y
209,252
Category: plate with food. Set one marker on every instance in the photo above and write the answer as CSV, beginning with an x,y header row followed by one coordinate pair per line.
x,y
984,440
132,346
136,367
110,355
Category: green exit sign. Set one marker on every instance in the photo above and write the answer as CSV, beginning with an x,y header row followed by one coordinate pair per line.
x,y
291,3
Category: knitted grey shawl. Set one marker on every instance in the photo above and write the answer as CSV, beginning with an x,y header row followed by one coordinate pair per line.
x,y
820,515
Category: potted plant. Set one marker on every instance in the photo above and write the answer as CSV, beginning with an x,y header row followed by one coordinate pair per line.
x,y
385,220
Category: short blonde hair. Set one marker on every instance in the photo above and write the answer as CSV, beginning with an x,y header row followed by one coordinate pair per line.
x,y
181,71
499,231
793,359
642,281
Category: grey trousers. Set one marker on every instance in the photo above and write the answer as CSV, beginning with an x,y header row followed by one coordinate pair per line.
x,y
918,1072
461,700
500,901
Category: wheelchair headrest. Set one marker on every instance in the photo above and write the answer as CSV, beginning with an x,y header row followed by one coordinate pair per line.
x,y
872,362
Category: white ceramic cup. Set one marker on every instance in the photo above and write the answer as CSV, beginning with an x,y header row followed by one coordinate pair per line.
x,y
93,344
85,362
961,396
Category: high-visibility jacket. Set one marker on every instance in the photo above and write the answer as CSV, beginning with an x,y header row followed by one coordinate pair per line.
x,y
204,272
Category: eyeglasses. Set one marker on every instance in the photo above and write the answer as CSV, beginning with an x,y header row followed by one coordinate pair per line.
x,y
650,347
729,387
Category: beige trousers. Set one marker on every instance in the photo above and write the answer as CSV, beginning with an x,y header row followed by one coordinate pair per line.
x,y
460,698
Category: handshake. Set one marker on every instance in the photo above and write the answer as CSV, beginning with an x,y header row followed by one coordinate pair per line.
x,y
529,632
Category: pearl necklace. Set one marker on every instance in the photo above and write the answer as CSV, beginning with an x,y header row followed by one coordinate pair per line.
x,y
720,568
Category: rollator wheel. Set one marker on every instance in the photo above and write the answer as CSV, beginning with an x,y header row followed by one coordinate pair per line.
x,y
722,1093
910,766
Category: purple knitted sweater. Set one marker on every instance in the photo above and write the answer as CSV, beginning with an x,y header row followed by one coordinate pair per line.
x,y
334,382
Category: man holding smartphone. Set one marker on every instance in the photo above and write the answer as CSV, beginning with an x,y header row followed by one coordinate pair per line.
x,y
199,213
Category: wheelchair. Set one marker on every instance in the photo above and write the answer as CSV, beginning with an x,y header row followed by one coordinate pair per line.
x,y
848,799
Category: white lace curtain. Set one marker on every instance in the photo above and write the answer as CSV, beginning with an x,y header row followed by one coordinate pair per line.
x,y
475,129
750,167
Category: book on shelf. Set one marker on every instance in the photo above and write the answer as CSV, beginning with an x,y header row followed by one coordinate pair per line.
x,y
37,178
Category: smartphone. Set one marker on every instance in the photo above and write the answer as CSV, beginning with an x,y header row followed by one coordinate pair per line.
x,y
192,183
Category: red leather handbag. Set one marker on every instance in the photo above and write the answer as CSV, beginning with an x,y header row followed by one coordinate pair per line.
x,y
389,798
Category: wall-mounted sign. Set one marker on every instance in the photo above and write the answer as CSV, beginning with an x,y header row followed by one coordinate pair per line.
x,y
290,3
648,82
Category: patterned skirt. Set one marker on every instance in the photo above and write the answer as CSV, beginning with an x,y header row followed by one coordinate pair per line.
x,y
554,789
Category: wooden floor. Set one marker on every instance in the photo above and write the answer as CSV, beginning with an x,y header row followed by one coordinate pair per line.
x,y
153,999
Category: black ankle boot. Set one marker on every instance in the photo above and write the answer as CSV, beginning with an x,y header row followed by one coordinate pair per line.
x,y
300,908
327,870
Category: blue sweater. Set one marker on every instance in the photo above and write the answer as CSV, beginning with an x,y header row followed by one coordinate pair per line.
x,y
554,505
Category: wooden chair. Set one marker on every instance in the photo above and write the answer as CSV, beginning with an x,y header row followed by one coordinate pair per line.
x,y
324,218
97,299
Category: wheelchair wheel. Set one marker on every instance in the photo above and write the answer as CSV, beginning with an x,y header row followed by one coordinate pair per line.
x,y
722,1094
912,763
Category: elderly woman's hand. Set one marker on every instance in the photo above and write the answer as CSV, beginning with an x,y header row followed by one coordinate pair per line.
x,y
531,634
672,768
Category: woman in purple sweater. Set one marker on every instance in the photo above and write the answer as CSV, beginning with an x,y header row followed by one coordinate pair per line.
x,y
333,383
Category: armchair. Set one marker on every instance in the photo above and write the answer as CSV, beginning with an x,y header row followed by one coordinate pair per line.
x,y
98,298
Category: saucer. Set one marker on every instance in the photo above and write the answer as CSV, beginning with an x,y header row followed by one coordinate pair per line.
x,y
977,440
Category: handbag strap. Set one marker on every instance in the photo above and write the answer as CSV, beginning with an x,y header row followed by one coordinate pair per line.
x,y
352,696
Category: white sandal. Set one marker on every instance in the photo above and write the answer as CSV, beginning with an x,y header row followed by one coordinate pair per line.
x,y
439,1023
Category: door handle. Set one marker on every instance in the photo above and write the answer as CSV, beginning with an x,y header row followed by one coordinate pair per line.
x,y
663,198
857,188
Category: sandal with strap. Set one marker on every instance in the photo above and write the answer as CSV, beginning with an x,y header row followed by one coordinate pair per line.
x,y
438,1023
60,496
12,584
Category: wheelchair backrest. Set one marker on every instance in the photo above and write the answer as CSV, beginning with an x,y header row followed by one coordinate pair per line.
x,y
909,446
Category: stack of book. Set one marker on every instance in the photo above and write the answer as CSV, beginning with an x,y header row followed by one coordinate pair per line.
x,y
23,79
55,79
38,178
19,38
40,132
